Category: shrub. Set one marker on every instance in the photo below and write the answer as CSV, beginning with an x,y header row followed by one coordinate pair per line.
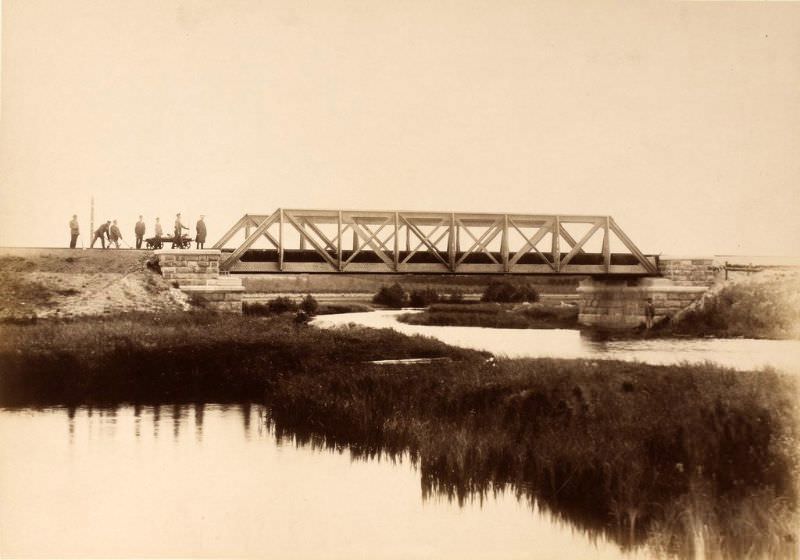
x,y
423,298
260,309
391,296
282,305
502,291
309,305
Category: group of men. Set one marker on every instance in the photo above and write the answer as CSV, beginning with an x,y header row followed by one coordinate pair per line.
x,y
110,231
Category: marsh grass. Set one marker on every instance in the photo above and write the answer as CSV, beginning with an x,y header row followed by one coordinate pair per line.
x,y
640,453
345,307
657,454
141,357
496,315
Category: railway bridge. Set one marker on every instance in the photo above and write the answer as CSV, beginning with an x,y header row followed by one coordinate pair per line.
x,y
617,278
290,240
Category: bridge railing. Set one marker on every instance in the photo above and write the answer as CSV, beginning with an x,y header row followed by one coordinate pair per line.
x,y
430,242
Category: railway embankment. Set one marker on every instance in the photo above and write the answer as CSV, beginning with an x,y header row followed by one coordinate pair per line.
x,y
51,283
762,305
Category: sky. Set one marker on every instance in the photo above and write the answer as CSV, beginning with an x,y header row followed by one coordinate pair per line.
x,y
680,120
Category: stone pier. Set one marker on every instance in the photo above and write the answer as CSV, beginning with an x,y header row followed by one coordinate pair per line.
x,y
196,273
620,303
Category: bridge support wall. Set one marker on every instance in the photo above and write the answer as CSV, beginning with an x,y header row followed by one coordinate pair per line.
x,y
619,303
196,273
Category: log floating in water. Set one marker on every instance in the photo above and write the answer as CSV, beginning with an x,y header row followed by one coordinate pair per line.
x,y
411,361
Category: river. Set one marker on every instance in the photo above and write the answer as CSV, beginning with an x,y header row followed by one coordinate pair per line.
x,y
741,354
216,481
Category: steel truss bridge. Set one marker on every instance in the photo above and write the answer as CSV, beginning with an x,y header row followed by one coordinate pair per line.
x,y
430,242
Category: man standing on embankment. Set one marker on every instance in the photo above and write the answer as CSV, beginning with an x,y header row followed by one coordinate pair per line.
x,y
74,231
201,233
179,227
139,231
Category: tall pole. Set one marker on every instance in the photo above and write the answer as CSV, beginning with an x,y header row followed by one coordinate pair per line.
x,y
91,216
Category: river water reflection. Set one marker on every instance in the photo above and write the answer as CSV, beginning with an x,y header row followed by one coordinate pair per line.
x,y
742,354
189,481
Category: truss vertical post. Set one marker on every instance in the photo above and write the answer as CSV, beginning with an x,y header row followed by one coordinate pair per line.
x,y
355,237
302,236
556,234
504,243
408,238
339,240
396,242
606,246
280,241
451,243
247,226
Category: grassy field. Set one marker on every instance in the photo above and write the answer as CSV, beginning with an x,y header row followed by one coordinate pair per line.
x,y
640,453
496,315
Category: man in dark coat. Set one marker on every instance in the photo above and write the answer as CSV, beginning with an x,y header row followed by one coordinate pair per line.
x,y
139,231
74,231
101,233
649,313
201,232
178,234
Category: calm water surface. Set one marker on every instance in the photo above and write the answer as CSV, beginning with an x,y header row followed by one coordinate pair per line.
x,y
743,354
182,481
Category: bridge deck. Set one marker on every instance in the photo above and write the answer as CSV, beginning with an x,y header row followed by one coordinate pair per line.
x,y
305,261
430,242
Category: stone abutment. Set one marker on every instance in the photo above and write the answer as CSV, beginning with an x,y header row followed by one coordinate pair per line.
x,y
196,273
620,303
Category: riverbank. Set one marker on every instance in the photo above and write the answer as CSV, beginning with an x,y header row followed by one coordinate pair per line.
x,y
630,450
764,305
496,315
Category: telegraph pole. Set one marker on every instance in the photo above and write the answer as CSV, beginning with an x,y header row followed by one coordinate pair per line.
x,y
91,217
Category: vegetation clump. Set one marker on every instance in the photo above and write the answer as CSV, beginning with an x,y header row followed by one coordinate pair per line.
x,y
344,307
496,315
309,305
392,296
502,291
276,306
396,296
424,297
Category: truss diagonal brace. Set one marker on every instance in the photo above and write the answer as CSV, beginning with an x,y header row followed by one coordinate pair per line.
x,y
577,247
369,240
543,230
649,266
481,243
237,254
424,239
311,240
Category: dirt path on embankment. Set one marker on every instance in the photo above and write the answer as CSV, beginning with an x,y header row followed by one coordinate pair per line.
x,y
41,282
